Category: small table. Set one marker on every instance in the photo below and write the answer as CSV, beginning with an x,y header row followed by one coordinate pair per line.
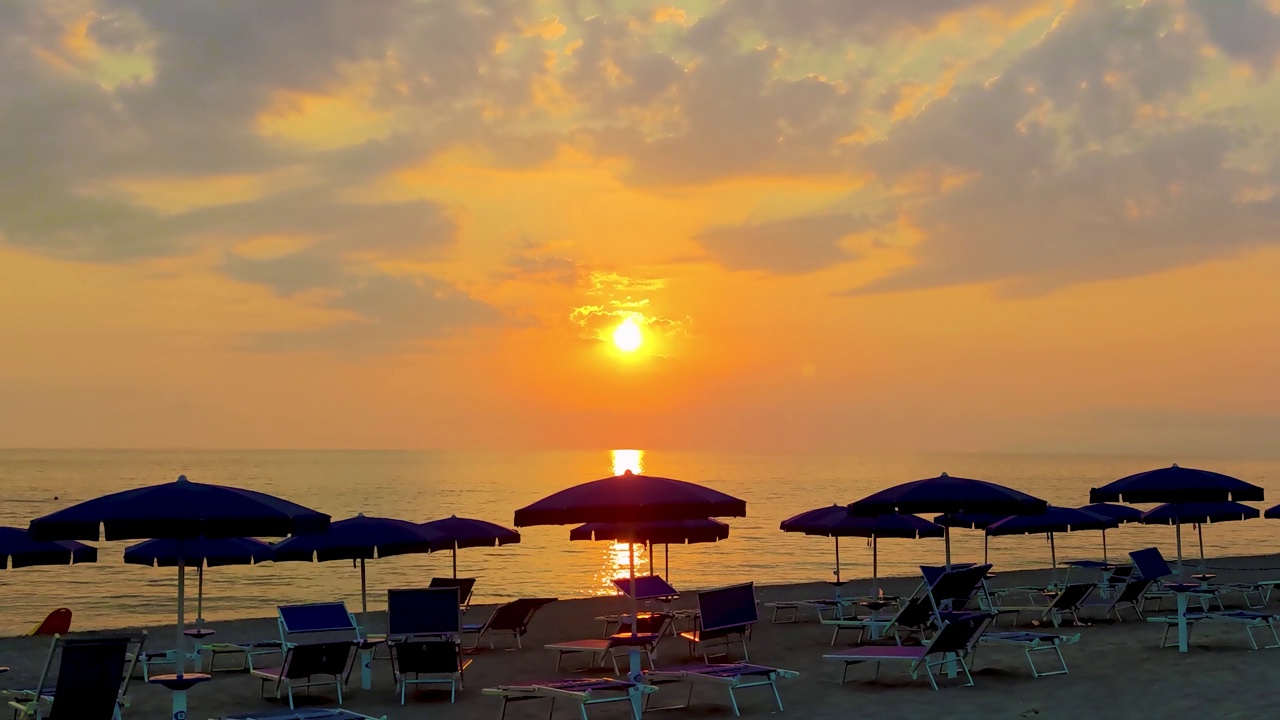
x,y
1183,592
367,646
179,685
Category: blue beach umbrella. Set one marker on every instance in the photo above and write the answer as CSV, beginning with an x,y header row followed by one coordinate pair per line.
x,y
634,499
199,552
948,495
836,522
456,533
181,510
1176,484
658,532
357,539
1272,513
18,550
1053,520
1120,513
1198,514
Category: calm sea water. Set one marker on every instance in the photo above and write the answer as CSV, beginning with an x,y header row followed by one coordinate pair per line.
x,y
422,486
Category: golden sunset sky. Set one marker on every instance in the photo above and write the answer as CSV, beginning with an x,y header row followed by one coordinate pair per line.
x,y
841,225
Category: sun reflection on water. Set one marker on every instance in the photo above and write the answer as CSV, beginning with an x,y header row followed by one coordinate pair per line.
x,y
614,565
624,460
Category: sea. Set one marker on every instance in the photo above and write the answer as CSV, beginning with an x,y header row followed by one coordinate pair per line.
x,y
421,486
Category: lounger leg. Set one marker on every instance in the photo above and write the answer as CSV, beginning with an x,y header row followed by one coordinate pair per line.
x,y
928,671
1272,626
965,666
776,695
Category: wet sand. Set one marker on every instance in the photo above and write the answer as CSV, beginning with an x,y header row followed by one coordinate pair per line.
x,y
1116,669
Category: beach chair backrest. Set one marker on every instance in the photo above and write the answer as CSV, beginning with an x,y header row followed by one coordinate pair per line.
x,y
1132,591
931,573
915,614
424,611
959,634
135,655
328,658
516,615
1073,596
728,608
427,656
1150,563
952,590
465,587
89,678
317,623
648,587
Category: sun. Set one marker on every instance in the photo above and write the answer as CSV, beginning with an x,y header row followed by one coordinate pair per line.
x,y
627,336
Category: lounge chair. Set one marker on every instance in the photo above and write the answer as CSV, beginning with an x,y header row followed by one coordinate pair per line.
x,y
311,714
1033,643
303,664
514,618
90,676
585,692
1067,602
465,586
429,662
648,587
600,648
914,617
732,676
422,613
787,611
1249,620
954,642
725,618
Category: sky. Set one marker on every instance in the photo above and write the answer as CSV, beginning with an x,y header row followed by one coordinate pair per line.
x,y
840,225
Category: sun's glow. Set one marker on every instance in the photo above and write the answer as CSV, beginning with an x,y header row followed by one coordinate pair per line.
x,y
624,460
627,336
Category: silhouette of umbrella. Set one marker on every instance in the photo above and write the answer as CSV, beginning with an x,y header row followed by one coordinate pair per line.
x,y
1120,513
1053,520
836,522
18,550
949,496
1176,485
455,533
630,498
664,533
1196,513
357,539
168,552
180,510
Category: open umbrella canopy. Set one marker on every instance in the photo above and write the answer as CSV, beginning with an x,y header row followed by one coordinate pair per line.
x,y
180,509
1198,513
213,552
1272,513
358,538
837,521
18,550
459,533
969,520
630,498
946,494
1176,485
660,532
1053,520
1120,513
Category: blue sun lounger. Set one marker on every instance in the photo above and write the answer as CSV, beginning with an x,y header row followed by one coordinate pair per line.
x,y
585,692
731,676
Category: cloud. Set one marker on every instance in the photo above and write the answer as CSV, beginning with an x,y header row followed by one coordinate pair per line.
x,y
1245,29
791,246
617,297
1076,164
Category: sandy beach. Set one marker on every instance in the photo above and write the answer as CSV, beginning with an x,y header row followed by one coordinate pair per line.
x,y
1117,669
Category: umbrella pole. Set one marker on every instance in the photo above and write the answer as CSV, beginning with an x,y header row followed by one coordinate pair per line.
x,y
666,561
1200,537
1053,557
1178,531
1104,546
200,597
633,655
875,567
455,561
837,558
181,658
946,539
364,599
986,543
649,546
